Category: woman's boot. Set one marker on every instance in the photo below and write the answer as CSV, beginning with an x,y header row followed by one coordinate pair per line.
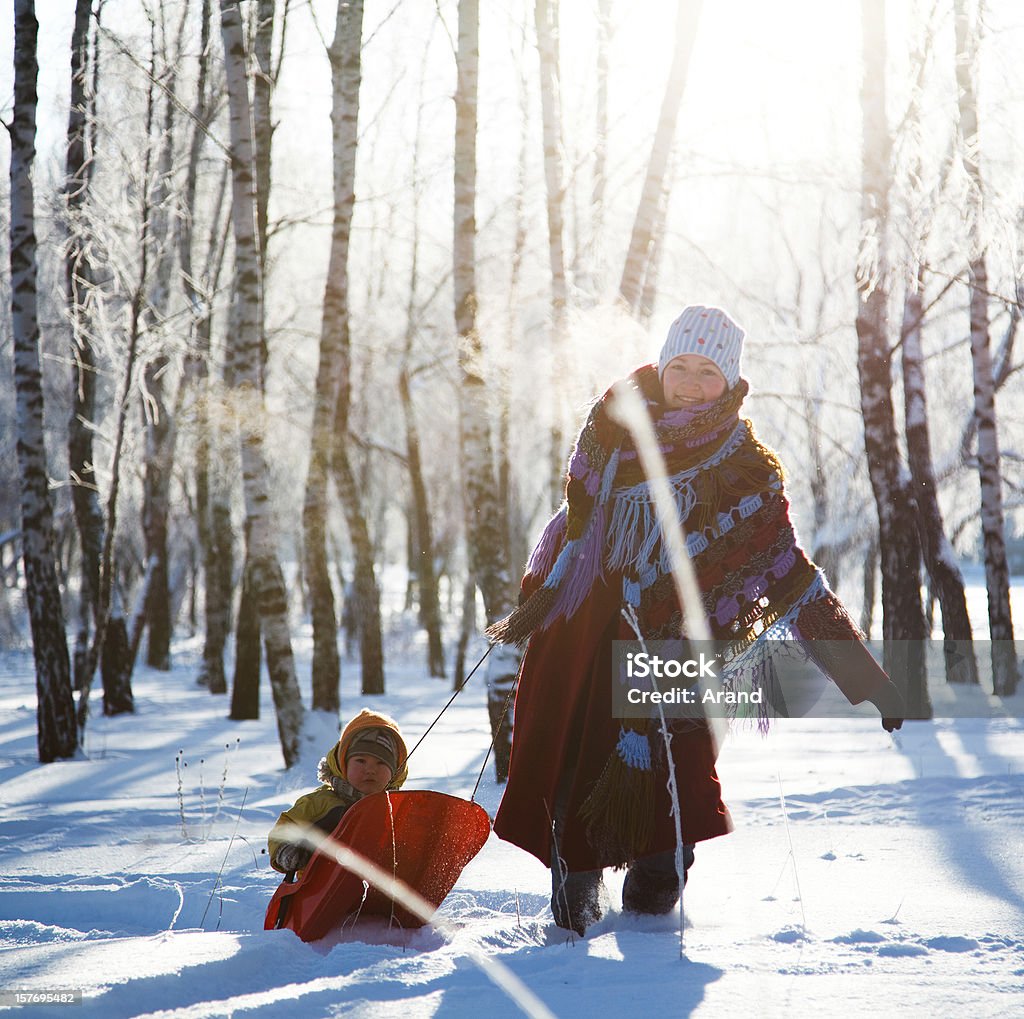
x,y
652,885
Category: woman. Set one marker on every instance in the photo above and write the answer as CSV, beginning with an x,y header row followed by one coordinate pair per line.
x,y
587,790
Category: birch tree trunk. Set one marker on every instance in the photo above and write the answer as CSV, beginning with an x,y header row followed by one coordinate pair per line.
x,y
467,627
245,684
546,18
56,732
823,552
213,515
218,572
649,290
516,535
940,560
346,72
364,584
156,420
1003,369
486,526
80,281
243,377
109,611
903,623
426,574
420,531
264,80
645,225
248,656
868,586
604,22
1005,669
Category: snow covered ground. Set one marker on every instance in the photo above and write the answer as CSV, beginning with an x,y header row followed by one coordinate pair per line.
x,y
893,884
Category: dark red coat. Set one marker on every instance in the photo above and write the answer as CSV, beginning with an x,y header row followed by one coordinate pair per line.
x,y
564,724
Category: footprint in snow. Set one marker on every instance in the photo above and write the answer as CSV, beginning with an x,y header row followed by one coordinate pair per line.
x,y
790,935
953,944
858,937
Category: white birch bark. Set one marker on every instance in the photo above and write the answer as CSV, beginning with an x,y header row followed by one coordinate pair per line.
x,y
80,280
947,580
903,622
419,524
346,74
243,377
1005,669
546,18
158,449
486,526
421,535
213,515
56,734
78,274
645,225
365,589
649,290
263,129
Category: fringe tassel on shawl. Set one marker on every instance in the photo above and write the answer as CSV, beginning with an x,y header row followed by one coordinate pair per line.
x,y
565,589
581,569
542,558
619,812
634,533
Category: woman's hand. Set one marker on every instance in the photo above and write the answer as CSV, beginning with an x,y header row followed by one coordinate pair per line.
x,y
891,706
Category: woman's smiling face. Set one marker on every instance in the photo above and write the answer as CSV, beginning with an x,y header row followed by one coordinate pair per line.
x,y
690,379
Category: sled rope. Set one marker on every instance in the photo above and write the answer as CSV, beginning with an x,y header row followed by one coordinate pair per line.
x,y
461,687
498,728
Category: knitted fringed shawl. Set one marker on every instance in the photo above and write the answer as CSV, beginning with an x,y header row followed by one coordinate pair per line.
x,y
755,580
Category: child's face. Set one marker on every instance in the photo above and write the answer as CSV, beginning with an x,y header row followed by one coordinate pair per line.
x,y
368,774
691,379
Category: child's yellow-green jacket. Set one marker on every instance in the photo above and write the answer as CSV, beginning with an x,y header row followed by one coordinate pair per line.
x,y
324,807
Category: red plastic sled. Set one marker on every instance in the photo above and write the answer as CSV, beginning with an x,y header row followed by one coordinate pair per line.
x,y
424,838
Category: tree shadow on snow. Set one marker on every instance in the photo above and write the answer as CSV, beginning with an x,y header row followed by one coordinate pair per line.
x,y
269,973
955,808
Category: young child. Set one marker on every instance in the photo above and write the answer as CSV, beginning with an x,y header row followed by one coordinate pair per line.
x,y
369,758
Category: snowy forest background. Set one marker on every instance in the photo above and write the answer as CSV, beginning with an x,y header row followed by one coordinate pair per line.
x,y
274,372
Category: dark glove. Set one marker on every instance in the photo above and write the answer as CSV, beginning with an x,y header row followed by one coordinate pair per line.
x,y
891,707
291,857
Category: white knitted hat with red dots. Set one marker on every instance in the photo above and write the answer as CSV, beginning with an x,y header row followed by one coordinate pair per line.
x,y
709,332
